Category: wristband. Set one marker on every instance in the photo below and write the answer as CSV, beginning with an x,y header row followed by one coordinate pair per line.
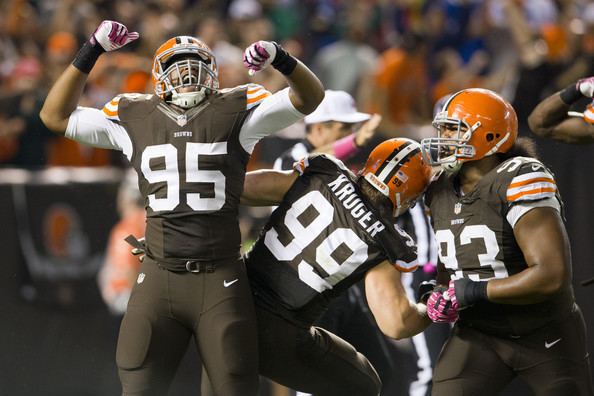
x,y
475,292
345,147
571,94
283,62
87,56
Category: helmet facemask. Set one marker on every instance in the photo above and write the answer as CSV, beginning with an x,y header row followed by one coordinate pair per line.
x,y
451,146
184,77
473,124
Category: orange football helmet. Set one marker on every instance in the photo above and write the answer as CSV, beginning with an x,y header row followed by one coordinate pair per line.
x,y
472,124
398,170
184,71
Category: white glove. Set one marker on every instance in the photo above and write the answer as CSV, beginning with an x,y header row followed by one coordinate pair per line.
x,y
586,86
259,56
112,35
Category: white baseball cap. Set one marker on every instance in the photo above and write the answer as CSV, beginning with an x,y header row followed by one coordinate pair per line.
x,y
337,106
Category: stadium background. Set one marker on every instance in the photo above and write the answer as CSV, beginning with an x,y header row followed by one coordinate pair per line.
x,y
58,199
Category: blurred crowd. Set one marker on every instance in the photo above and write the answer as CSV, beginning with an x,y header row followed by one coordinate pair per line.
x,y
396,57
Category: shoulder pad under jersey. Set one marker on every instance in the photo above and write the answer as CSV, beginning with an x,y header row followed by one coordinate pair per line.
x,y
525,179
255,93
112,108
319,163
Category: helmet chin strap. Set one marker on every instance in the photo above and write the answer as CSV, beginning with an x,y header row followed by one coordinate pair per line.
x,y
452,167
187,100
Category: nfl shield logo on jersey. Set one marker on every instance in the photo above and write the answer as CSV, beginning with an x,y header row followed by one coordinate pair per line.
x,y
182,120
457,208
140,278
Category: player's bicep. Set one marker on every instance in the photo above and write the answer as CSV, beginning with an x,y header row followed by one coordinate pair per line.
x,y
266,187
541,235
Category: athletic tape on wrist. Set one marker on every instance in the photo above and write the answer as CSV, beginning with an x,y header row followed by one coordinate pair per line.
x,y
571,94
475,292
87,56
283,61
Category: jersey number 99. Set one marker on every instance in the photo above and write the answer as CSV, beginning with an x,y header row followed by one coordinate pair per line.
x,y
303,236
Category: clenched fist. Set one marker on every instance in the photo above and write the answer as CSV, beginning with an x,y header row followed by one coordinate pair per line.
x,y
259,56
111,35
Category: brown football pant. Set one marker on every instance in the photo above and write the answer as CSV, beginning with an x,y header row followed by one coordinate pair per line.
x,y
553,361
167,308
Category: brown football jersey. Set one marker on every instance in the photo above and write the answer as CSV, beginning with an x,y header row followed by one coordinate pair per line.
x,y
191,168
322,239
476,241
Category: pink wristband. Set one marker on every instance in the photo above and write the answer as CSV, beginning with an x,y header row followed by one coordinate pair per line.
x,y
345,147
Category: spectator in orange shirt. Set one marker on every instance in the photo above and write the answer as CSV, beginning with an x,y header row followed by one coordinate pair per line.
x,y
401,85
120,269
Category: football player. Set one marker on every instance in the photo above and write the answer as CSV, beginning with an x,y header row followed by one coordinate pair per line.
x,y
551,118
189,143
330,230
505,262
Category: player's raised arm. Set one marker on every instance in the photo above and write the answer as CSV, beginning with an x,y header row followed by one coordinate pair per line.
x,y
551,118
66,91
306,91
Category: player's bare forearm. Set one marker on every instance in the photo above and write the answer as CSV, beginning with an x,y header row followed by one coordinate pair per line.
x,y
266,187
67,90
62,99
547,114
306,90
396,316
550,118
413,321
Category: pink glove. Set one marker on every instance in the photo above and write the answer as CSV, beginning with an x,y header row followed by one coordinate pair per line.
x,y
112,35
259,56
440,307
586,86
452,295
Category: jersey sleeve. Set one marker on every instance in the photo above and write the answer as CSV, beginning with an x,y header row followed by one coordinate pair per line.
x,y
269,113
99,128
533,182
531,185
405,258
255,95
111,109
